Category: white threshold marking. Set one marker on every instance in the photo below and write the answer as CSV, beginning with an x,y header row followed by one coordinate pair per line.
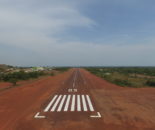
x,y
67,103
56,103
96,116
62,102
70,103
89,103
73,103
78,103
38,116
49,105
84,103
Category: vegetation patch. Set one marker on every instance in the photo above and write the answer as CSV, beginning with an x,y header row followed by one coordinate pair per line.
x,y
16,76
126,76
151,82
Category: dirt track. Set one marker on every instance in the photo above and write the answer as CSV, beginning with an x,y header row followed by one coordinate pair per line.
x,y
120,108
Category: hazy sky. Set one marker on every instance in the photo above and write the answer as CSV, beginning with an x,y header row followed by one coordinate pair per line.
x,y
77,32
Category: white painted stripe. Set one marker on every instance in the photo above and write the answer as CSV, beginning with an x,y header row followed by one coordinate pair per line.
x,y
56,103
84,103
89,103
67,103
96,116
74,84
74,79
38,116
62,102
73,103
49,105
78,103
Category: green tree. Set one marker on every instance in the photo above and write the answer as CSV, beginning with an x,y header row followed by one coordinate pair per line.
x,y
13,81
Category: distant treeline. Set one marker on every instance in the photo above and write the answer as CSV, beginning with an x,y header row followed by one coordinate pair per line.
x,y
126,70
62,69
127,76
21,75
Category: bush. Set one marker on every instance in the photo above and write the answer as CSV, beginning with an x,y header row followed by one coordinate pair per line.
x,y
151,82
122,82
126,76
14,77
52,74
13,81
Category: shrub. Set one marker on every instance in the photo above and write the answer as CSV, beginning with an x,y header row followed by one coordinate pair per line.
x,y
12,77
51,74
122,82
151,82
13,81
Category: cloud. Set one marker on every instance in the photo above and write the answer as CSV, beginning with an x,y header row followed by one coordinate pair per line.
x,y
32,33
37,30
78,53
35,26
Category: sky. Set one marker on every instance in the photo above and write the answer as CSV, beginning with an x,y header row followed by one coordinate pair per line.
x,y
77,32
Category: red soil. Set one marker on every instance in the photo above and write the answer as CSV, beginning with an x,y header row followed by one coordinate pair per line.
x,y
5,84
121,108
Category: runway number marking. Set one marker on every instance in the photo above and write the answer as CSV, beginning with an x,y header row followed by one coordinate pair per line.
x,y
72,90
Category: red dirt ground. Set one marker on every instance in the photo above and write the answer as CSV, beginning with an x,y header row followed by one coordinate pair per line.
x,y
121,108
5,85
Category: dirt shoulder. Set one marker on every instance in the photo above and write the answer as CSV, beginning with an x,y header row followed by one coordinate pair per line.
x,y
124,108
4,85
22,102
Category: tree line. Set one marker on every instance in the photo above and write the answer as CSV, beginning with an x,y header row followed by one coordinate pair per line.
x,y
21,75
122,75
